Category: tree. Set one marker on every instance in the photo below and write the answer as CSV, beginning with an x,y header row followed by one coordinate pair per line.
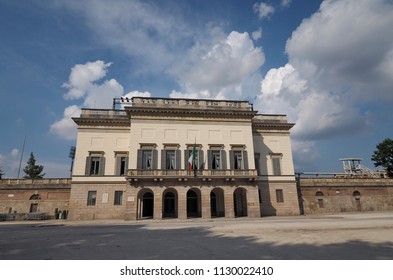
x,y
1,172
32,170
383,156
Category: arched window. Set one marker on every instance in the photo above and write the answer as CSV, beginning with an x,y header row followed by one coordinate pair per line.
x,y
35,197
319,193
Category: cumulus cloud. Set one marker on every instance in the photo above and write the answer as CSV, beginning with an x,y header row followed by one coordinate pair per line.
x,y
147,31
257,34
340,61
85,83
9,162
347,46
66,128
220,70
263,10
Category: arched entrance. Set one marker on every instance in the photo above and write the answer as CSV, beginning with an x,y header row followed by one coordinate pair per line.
x,y
169,198
193,203
356,194
34,204
217,208
319,196
145,204
240,202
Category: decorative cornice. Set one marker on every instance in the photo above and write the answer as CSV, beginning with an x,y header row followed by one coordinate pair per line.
x,y
121,122
196,113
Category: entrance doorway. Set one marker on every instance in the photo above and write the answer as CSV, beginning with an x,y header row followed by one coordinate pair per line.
x,y
193,204
356,194
217,208
170,204
240,202
146,204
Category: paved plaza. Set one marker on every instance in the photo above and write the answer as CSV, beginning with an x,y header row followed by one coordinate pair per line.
x,y
340,236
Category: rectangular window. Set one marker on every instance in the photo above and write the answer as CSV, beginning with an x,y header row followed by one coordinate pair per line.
x,y
170,159
216,160
276,164
257,165
238,157
147,159
237,160
94,165
118,198
280,196
121,165
91,197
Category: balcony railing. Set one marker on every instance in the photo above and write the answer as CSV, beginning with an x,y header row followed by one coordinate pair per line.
x,y
158,174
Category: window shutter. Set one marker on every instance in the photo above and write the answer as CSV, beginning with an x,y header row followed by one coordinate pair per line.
x,y
163,159
118,165
231,160
186,156
178,159
245,159
139,160
223,159
101,170
126,166
88,165
154,154
209,159
200,158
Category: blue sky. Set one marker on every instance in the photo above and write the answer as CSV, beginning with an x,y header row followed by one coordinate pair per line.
x,y
328,65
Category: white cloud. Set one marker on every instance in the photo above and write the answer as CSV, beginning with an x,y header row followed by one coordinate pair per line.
x,y
14,152
84,84
347,47
220,71
257,34
285,3
151,33
263,10
340,61
66,128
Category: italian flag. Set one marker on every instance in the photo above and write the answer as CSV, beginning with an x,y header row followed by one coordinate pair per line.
x,y
192,157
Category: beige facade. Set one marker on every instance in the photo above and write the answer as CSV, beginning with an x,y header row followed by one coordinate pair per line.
x,y
134,163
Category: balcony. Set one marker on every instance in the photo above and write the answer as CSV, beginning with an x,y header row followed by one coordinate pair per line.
x,y
184,175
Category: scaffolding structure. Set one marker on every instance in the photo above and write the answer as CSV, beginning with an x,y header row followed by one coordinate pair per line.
x,y
353,167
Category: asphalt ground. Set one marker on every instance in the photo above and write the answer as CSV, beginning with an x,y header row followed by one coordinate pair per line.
x,y
360,236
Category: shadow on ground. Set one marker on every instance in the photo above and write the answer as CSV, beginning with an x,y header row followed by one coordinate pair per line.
x,y
125,242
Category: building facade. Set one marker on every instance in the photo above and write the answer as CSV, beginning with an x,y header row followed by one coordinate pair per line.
x,y
135,163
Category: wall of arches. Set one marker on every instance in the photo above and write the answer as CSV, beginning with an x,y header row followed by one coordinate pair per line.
x,y
196,202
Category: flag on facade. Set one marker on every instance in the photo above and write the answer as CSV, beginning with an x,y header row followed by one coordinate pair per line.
x,y
192,158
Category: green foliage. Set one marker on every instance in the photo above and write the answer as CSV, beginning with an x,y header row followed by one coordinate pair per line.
x,y
1,172
32,170
383,156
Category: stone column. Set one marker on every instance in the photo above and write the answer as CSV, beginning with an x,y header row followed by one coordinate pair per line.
x,y
131,196
228,201
253,208
205,202
157,208
182,202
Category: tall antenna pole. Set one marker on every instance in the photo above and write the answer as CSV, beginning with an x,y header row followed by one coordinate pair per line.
x,y
21,156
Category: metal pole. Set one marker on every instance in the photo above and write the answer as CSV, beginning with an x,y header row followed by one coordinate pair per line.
x,y
21,156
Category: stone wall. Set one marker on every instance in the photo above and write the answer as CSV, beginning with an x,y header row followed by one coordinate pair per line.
x,y
39,196
335,195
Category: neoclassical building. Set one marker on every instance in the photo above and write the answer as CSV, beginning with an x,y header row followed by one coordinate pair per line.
x,y
164,158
